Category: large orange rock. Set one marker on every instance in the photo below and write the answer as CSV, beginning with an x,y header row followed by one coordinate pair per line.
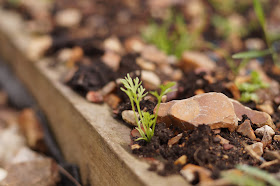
x,y
213,109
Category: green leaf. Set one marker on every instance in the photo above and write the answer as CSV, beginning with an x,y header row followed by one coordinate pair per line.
x,y
259,12
260,174
251,54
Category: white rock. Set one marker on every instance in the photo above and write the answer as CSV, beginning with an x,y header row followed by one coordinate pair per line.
x,y
260,131
113,44
150,79
68,17
10,143
128,116
3,174
25,155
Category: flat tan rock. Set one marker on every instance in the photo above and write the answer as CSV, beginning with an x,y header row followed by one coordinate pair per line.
x,y
192,60
212,109
36,173
257,117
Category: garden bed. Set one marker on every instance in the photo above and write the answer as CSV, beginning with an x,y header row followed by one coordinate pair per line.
x,y
86,133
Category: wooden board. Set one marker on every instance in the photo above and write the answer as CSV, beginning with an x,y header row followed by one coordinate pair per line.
x,y
86,133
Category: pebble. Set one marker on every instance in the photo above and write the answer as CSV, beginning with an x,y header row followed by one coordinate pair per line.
x,y
38,46
29,173
112,60
190,171
68,17
228,146
246,130
31,129
134,44
151,53
181,160
174,140
277,138
94,96
260,131
192,60
135,146
258,118
150,80
112,100
266,107
266,139
222,140
25,155
257,148
128,117
113,44
212,109
145,65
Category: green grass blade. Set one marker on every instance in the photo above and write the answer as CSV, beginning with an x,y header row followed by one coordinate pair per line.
x,y
259,12
251,54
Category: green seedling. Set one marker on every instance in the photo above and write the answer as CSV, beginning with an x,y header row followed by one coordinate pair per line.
x,y
172,37
248,89
136,92
256,53
252,176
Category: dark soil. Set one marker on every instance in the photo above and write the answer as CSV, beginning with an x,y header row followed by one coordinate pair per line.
x,y
201,147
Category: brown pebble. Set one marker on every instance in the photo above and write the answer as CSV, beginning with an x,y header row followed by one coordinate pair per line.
x,y
277,138
174,140
223,140
216,140
246,130
181,160
94,97
135,146
228,146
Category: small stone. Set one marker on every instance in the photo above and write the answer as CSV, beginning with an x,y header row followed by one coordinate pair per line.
x,y
267,139
257,148
260,131
37,173
151,53
192,60
225,157
254,44
112,60
189,171
228,146
3,174
213,109
150,80
222,140
31,129
174,140
25,155
134,44
135,146
234,90
145,65
113,44
135,133
129,117
94,96
38,46
163,112
216,140
258,118
199,91
266,108
181,160
108,88
277,138
68,17
246,130
10,143
112,100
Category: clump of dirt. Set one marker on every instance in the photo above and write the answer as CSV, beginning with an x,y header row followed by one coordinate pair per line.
x,y
199,145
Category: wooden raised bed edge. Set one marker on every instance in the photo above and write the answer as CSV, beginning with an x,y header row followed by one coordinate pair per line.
x,y
86,133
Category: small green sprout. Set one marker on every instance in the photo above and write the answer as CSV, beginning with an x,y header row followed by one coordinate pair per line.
x,y
260,53
171,36
136,93
248,88
252,176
